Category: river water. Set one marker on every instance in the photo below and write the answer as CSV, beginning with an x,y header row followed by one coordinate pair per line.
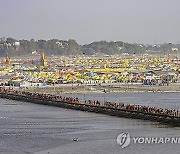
x,y
32,128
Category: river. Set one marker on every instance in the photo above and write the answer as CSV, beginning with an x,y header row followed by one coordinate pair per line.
x,y
40,129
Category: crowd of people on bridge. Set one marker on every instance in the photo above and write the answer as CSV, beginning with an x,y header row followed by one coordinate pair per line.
x,y
75,100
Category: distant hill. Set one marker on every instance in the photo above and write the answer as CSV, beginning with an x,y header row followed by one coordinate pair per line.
x,y
71,47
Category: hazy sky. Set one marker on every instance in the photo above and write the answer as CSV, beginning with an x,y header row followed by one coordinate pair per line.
x,y
142,21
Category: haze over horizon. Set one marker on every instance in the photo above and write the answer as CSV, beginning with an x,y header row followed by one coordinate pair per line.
x,y
141,21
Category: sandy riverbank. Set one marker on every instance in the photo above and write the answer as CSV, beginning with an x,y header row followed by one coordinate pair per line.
x,y
115,87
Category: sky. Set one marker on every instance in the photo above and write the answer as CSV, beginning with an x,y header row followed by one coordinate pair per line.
x,y
86,21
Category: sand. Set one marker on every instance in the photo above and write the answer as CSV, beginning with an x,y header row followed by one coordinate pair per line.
x,y
103,88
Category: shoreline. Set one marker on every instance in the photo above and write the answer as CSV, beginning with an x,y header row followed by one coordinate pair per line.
x,y
104,88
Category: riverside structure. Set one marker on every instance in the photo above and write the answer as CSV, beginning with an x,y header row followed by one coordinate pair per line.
x,y
167,116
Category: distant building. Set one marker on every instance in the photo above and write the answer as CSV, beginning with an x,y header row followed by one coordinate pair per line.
x,y
8,60
34,52
174,49
17,43
43,60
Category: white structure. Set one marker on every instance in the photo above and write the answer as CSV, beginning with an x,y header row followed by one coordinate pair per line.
x,y
175,49
17,43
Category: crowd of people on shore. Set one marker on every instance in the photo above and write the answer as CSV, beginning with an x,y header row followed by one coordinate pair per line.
x,y
75,100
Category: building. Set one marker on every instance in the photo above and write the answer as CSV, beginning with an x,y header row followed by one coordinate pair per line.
x,y
43,60
8,60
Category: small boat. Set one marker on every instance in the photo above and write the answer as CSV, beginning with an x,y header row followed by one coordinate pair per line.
x,y
105,91
75,139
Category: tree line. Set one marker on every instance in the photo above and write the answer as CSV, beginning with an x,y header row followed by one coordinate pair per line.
x,y
71,47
